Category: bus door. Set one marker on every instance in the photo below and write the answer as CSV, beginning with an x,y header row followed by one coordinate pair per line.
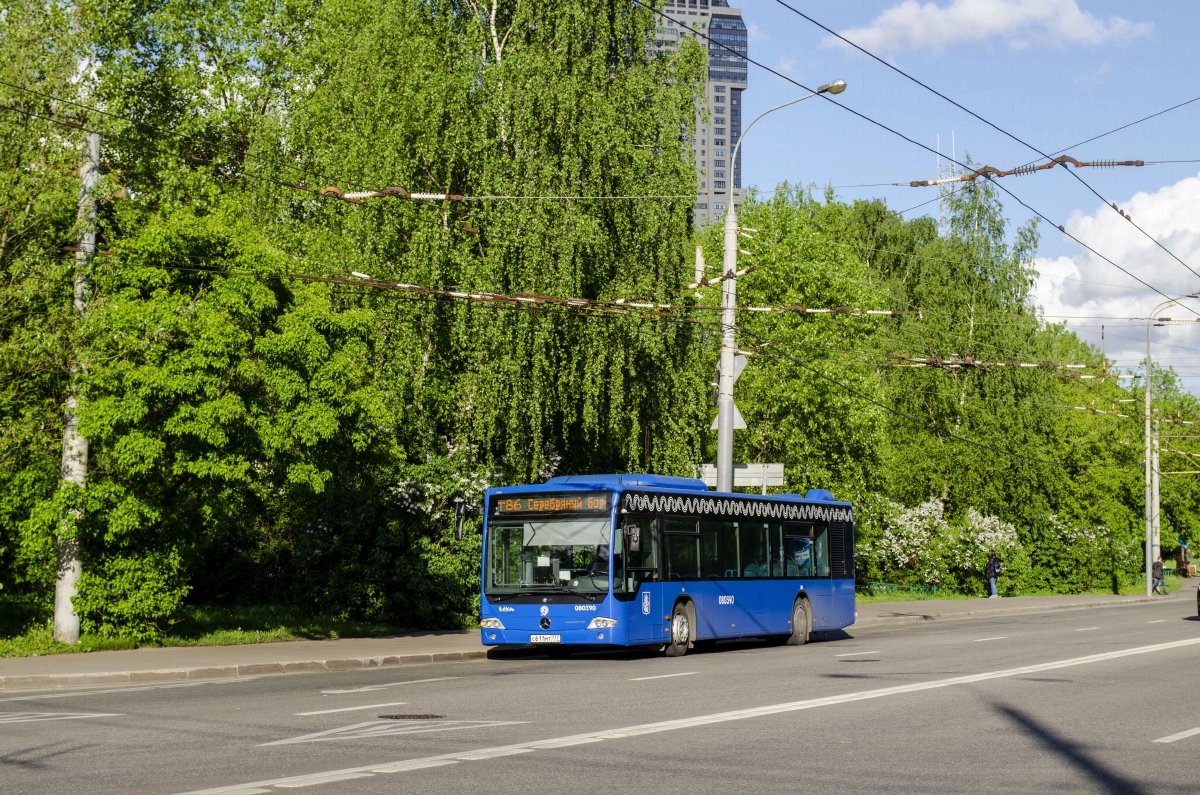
x,y
636,582
806,555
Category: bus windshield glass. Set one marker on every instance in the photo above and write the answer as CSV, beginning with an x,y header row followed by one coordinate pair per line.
x,y
559,553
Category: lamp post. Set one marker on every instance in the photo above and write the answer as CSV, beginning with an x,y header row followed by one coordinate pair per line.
x,y
725,407
1151,474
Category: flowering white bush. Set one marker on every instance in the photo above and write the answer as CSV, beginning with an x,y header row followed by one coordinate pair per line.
x,y
910,542
920,546
981,534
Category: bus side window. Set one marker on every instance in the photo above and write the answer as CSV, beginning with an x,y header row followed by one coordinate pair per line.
x,y
775,548
682,554
752,546
719,549
821,550
635,566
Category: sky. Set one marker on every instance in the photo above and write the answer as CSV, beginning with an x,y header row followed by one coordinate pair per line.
x,y
1051,72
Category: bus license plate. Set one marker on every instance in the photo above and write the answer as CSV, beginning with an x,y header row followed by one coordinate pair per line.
x,y
545,638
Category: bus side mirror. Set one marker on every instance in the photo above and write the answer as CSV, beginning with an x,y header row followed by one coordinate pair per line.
x,y
461,509
633,538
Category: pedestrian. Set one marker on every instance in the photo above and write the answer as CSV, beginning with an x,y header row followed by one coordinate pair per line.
x,y
1156,572
992,571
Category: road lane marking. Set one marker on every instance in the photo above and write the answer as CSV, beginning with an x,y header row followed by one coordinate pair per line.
x,y
1170,738
314,780
369,688
118,690
389,728
663,676
704,720
31,717
998,637
351,709
855,653
1086,629
1160,621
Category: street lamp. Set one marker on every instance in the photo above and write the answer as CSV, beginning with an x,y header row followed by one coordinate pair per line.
x,y
1150,506
725,407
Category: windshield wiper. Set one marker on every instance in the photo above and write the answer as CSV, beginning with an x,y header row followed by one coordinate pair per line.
x,y
565,589
541,589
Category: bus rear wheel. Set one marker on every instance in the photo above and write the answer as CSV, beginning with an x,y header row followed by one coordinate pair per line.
x,y
799,634
681,631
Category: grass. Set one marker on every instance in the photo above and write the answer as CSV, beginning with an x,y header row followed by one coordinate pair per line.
x,y
24,634
1173,584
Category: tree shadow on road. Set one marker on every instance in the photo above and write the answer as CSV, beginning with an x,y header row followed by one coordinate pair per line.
x,y
35,758
1107,779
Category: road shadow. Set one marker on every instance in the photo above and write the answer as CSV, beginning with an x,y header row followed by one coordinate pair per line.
x,y
35,758
1107,779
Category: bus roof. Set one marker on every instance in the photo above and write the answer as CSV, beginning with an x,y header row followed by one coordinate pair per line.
x,y
666,482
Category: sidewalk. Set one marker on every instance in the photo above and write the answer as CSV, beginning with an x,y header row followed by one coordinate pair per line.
x,y
193,663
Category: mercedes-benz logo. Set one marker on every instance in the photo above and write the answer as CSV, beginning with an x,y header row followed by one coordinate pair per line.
x,y
544,623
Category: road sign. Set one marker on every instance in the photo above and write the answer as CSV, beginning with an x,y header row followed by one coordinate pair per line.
x,y
751,475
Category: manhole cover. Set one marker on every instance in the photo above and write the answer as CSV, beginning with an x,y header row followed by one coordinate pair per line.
x,y
411,717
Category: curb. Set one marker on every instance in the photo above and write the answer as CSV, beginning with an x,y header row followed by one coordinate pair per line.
x,y
169,675
871,623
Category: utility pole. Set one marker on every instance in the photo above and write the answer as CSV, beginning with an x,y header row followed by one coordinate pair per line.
x,y
75,446
1152,452
1149,465
728,417
1156,526
725,407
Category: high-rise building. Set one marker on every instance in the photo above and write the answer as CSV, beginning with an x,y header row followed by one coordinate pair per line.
x,y
717,131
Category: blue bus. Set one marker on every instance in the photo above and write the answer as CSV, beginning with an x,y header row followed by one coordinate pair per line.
x,y
650,560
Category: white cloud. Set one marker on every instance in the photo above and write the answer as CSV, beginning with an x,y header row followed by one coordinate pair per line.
x,y
755,34
1069,285
786,65
1019,23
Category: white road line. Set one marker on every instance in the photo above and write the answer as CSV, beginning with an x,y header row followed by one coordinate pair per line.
x,y
704,720
369,688
119,690
1170,738
1086,629
855,653
351,709
662,676
313,780
998,637
31,717
390,728
1160,621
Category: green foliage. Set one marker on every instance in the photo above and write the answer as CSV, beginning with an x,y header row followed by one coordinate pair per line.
x,y
37,219
261,438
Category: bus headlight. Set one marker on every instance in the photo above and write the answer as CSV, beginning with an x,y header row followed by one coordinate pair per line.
x,y
602,623
491,623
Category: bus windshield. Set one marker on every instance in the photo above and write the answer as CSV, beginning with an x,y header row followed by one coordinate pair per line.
x,y
563,553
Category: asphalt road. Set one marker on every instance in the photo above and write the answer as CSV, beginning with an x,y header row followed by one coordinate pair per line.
x,y
1067,701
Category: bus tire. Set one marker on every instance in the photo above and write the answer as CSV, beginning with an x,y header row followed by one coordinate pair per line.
x,y
682,629
800,624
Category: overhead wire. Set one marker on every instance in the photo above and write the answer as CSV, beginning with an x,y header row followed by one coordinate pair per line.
x,y
989,123
912,141
936,430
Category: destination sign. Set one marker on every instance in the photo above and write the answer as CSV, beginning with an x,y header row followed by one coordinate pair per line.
x,y
552,503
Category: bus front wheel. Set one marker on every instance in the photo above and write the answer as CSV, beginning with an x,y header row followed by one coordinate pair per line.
x,y
799,634
681,630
